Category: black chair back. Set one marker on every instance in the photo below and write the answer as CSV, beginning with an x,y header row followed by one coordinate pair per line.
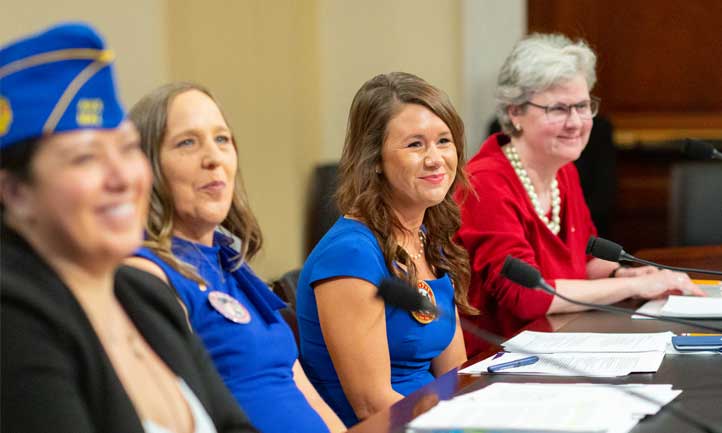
x,y
322,212
695,205
285,288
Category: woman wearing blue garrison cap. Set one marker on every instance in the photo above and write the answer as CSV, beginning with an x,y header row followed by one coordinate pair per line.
x,y
198,192
86,346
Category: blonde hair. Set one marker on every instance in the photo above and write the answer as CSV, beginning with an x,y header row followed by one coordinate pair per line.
x,y
150,115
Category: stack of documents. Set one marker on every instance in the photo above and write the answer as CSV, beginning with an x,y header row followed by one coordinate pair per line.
x,y
691,307
579,354
526,407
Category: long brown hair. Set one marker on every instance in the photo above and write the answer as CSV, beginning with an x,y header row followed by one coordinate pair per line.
x,y
150,115
364,193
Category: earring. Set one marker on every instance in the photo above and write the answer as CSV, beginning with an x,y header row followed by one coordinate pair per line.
x,y
517,127
377,170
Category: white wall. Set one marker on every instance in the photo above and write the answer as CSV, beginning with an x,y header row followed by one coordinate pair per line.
x,y
360,39
489,30
134,29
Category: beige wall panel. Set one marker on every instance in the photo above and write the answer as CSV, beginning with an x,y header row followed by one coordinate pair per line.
x,y
360,39
135,29
260,59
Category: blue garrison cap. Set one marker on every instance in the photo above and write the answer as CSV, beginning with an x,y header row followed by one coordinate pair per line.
x,y
57,80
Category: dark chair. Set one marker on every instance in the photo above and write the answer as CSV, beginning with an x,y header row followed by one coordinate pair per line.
x,y
695,206
322,212
285,288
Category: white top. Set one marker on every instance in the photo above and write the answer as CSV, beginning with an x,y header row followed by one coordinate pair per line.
x,y
201,420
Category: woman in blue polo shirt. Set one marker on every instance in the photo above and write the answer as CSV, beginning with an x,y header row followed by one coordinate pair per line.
x,y
197,190
402,158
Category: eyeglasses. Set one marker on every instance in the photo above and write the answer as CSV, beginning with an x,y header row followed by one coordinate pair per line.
x,y
559,113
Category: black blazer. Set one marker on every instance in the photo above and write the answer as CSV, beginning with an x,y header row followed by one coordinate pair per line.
x,y
55,374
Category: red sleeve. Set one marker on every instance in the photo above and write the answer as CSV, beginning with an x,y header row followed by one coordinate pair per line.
x,y
495,225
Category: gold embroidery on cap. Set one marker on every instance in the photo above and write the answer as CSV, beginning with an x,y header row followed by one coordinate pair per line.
x,y
73,88
89,112
6,116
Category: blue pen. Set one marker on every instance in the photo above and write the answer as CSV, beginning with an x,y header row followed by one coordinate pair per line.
x,y
511,364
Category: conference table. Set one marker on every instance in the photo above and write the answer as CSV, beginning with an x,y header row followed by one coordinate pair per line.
x,y
698,376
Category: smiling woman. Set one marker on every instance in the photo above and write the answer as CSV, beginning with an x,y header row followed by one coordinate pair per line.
x,y
199,156
88,196
527,200
198,207
87,345
401,160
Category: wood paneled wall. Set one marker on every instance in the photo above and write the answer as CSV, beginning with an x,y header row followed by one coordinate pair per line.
x,y
659,76
655,57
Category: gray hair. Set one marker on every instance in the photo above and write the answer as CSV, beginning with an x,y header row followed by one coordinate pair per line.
x,y
537,63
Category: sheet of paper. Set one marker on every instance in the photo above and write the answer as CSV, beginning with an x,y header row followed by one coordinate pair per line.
x,y
536,407
576,364
559,342
692,306
655,306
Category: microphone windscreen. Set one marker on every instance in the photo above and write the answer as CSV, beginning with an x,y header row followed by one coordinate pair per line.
x,y
400,294
604,249
696,149
521,272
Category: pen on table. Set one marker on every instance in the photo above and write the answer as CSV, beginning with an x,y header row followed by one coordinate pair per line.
x,y
498,354
699,334
707,282
511,364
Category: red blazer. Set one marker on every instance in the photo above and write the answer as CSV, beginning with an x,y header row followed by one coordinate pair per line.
x,y
498,220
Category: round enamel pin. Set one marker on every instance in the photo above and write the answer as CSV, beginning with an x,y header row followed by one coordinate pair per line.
x,y
229,307
425,317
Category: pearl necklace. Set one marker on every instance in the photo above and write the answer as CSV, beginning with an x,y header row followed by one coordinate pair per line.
x,y
420,251
553,225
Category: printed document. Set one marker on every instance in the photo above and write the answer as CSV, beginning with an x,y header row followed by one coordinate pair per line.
x,y
559,342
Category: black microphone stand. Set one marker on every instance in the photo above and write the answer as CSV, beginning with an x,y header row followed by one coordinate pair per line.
x,y
607,250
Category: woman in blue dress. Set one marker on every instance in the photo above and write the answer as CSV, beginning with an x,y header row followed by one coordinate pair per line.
x,y
197,191
402,158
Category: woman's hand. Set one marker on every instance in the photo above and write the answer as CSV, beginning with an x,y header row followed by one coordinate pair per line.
x,y
661,283
625,272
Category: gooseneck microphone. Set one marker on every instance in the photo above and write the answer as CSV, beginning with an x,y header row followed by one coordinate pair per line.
x,y
700,150
400,294
526,275
613,252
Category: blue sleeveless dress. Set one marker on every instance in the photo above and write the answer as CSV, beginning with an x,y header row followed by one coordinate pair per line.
x,y
349,249
256,358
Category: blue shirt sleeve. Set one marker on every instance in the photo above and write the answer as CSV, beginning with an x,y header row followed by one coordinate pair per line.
x,y
352,253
